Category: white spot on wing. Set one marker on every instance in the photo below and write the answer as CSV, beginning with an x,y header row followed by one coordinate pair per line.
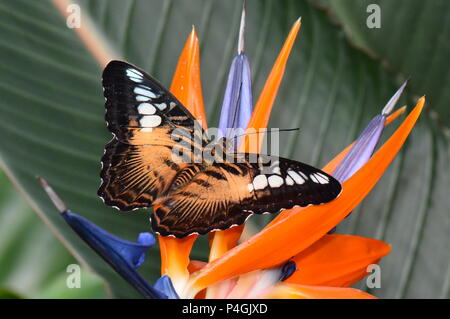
x,y
134,75
275,181
260,182
161,106
146,108
250,187
141,98
322,178
139,90
289,181
297,178
134,72
135,79
150,121
319,178
303,175
314,179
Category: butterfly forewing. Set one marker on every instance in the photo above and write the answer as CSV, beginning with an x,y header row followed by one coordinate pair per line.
x,y
138,164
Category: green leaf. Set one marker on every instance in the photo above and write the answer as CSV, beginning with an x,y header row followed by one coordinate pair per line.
x,y
7,294
30,256
91,286
54,126
412,41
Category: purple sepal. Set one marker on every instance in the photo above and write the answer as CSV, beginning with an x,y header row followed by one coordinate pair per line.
x,y
362,150
237,104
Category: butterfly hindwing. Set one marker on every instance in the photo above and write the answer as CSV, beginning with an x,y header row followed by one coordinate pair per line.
x,y
204,203
226,194
147,122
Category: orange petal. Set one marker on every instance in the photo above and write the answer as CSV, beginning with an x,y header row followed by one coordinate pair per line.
x,y
186,83
395,115
223,241
195,265
279,241
175,258
337,260
292,291
186,86
261,113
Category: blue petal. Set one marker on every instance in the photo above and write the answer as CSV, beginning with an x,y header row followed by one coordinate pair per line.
x,y
145,240
164,284
362,150
131,252
237,103
123,255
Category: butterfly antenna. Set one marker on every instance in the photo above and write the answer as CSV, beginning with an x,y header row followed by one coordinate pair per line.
x,y
268,131
289,129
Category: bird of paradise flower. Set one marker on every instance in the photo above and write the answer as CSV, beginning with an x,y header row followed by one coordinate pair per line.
x,y
295,255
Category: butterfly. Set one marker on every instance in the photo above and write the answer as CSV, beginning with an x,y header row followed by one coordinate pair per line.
x,y
152,161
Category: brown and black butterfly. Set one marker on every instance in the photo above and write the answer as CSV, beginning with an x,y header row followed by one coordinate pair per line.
x,y
141,169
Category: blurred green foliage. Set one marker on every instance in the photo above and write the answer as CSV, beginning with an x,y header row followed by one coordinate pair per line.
x,y
32,262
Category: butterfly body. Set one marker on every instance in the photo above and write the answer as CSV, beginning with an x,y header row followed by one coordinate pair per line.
x,y
160,158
